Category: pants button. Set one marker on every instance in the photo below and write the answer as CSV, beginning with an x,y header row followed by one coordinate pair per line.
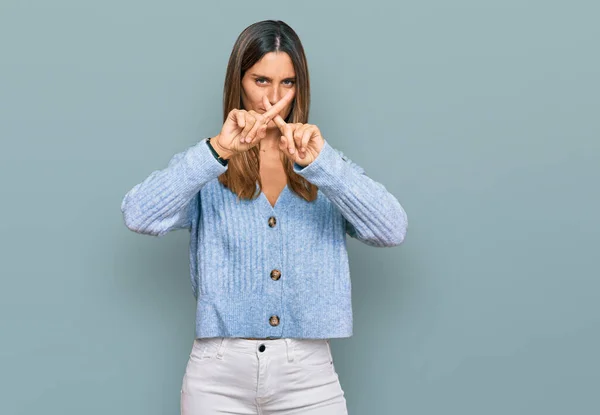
x,y
261,348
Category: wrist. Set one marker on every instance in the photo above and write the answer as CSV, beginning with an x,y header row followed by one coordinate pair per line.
x,y
222,152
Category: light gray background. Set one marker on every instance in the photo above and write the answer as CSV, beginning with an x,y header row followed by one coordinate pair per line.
x,y
480,116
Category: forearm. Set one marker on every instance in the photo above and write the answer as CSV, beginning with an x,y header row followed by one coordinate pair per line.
x,y
160,202
374,213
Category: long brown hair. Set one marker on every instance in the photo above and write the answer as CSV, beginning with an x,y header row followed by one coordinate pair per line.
x,y
252,44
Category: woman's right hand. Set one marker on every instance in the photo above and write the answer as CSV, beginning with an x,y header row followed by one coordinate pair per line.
x,y
241,128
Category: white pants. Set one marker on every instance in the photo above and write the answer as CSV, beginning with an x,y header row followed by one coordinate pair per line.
x,y
261,377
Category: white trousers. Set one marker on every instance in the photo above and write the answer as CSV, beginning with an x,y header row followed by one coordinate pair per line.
x,y
282,376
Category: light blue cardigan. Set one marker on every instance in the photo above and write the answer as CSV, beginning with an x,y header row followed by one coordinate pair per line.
x,y
237,246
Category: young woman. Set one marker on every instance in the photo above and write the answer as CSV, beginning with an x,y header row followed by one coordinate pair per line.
x,y
268,203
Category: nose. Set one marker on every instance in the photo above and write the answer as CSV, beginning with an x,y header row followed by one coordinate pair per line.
x,y
273,96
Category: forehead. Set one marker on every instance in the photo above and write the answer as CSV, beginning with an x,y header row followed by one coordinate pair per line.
x,y
274,65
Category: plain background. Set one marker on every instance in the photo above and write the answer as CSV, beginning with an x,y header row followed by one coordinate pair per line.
x,y
481,117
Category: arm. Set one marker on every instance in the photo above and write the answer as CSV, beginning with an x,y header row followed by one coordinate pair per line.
x,y
167,198
373,215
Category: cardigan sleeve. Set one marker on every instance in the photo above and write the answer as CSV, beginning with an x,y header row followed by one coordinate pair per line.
x,y
168,199
373,215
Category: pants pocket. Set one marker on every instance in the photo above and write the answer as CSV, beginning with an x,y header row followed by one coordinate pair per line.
x,y
313,354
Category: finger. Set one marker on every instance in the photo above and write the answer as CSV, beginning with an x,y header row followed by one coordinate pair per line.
x,y
291,142
249,120
279,105
239,118
287,138
308,133
262,131
298,133
305,140
279,122
258,122
282,145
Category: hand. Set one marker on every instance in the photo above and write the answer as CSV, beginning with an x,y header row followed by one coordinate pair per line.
x,y
301,142
242,127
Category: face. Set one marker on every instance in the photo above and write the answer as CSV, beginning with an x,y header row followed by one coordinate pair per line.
x,y
272,76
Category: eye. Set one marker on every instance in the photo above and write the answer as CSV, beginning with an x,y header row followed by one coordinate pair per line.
x,y
290,82
261,81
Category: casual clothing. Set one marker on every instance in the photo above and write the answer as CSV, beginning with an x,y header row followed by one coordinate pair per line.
x,y
282,376
263,271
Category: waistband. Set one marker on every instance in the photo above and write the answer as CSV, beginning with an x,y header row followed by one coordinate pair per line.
x,y
251,346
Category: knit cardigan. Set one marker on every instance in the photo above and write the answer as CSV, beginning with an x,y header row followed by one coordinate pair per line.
x,y
259,270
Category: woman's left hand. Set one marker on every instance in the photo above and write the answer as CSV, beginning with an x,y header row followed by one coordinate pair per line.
x,y
301,142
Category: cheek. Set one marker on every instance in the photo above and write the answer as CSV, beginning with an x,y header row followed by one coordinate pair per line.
x,y
249,97
254,97
244,103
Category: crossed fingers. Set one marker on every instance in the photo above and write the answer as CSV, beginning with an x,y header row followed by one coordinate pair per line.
x,y
256,121
292,134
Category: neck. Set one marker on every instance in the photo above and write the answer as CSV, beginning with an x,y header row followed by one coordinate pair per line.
x,y
271,141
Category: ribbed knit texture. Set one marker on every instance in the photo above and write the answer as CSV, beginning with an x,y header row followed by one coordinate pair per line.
x,y
233,249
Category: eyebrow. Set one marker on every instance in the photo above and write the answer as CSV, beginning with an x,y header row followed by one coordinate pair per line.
x,y
266,77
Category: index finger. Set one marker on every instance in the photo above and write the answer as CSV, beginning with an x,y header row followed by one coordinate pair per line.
x,y
275,109
279,122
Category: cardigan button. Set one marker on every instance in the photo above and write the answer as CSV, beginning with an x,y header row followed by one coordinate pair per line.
x,y
272,221
275,274
274,321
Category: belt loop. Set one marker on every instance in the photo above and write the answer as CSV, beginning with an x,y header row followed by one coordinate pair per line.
x,y
221,348
329,350
289,349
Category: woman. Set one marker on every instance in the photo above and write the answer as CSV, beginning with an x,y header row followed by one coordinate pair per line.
x,y
268,203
